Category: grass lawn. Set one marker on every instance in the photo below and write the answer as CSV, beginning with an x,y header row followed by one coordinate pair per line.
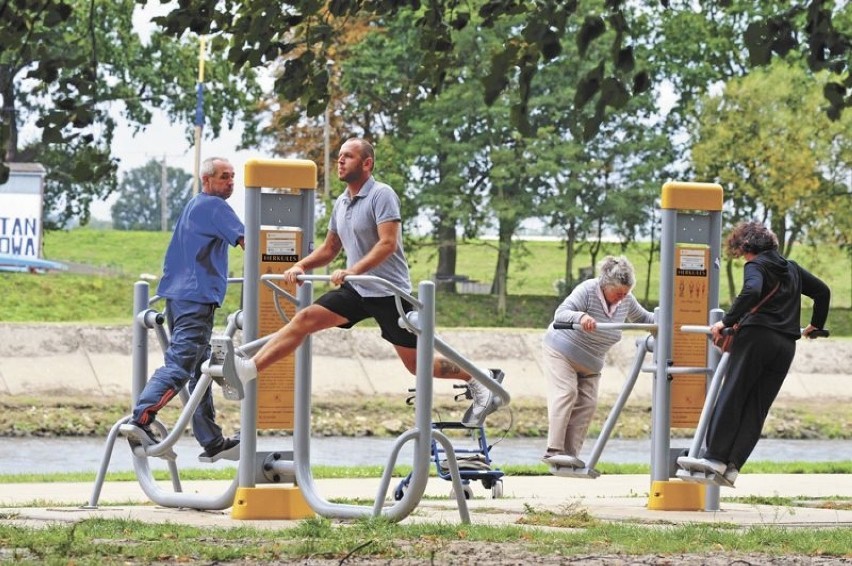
x,y
106,264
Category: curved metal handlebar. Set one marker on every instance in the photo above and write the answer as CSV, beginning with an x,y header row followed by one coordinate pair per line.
x,y
607,326
698,329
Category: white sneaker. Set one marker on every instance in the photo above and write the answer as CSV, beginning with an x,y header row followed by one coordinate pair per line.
x,y
246,370
731,475
484,403
702,464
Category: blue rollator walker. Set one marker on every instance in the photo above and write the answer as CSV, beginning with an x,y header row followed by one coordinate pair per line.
x,y
474,459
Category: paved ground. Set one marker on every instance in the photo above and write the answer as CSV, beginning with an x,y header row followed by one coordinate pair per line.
x,y
37,359
611,498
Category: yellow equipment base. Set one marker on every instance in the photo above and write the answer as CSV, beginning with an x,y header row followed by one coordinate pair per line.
x,y
676,496
270,503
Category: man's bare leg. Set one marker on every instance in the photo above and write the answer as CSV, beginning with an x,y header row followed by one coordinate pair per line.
x,y
483,403
285,341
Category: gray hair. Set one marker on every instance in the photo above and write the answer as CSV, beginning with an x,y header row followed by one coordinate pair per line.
x,y
208,166
616,272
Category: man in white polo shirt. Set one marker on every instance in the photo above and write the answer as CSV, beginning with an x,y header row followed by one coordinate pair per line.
x,y
366,223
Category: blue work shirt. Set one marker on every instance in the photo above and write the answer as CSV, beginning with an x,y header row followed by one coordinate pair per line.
x,y
196,264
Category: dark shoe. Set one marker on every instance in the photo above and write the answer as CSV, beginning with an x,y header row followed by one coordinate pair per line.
x,y
142,434
226,449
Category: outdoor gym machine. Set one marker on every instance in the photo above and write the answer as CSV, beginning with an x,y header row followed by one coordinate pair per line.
x,y
279,230
279,225
690,259
690,250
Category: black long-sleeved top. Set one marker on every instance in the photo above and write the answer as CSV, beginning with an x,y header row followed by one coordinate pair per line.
x,y
783,311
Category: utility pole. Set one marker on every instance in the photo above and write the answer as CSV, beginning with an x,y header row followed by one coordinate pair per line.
x,y
164,197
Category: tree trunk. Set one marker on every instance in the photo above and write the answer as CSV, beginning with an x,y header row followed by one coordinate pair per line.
x,y
570,254
447,255
501,273
650,261
729,271
8,115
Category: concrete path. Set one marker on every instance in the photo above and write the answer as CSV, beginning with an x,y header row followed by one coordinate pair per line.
x,y
610,498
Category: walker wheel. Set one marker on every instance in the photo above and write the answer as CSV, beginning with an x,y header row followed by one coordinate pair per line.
x,y
468,492
497,489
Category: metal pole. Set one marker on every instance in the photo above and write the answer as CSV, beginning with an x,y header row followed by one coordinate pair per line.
x,y
251,306
199,114
660,405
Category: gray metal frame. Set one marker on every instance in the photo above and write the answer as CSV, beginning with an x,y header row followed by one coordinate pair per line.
x,y
679,227
146,319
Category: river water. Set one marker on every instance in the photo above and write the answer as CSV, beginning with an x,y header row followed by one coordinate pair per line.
x,y
51,455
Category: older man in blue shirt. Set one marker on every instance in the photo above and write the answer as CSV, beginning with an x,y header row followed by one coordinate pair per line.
x,y
195,278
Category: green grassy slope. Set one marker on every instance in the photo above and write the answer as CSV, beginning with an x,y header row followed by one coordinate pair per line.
x,y
105,264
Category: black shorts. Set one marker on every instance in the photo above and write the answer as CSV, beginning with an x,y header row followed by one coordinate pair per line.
x,y
346,302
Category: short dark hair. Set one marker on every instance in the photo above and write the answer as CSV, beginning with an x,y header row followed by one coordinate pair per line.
x,y
750,237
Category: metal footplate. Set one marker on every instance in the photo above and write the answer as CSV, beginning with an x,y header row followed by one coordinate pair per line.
x,y
221,368
571,472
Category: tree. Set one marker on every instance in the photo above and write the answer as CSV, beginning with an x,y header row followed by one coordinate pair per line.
x,y
139,204
307,31
765,141
69,67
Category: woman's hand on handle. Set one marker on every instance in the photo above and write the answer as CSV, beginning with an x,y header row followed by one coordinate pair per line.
x,y
716,330
813,332
588,323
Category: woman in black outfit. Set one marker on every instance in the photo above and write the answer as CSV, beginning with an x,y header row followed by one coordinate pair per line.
x,y
764,346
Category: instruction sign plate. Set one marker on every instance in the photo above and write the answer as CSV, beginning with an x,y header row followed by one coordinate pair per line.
x,y
691,306
276,384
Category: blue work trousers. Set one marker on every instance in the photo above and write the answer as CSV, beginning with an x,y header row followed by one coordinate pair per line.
x,y
191,326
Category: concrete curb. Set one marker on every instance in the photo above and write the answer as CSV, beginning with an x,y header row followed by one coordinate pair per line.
x,y
95,360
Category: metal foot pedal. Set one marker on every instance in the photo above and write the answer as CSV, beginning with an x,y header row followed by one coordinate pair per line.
x,y
690,471
703,476
232,453
141,444
571,472
221,368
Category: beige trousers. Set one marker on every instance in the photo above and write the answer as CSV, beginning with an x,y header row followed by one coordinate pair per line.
x,y
572,396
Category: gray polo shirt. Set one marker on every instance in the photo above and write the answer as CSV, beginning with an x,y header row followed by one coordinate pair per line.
x,y
356,223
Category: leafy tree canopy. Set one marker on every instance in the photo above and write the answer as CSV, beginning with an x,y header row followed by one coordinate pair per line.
x,y
303,32
71,68
140,204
